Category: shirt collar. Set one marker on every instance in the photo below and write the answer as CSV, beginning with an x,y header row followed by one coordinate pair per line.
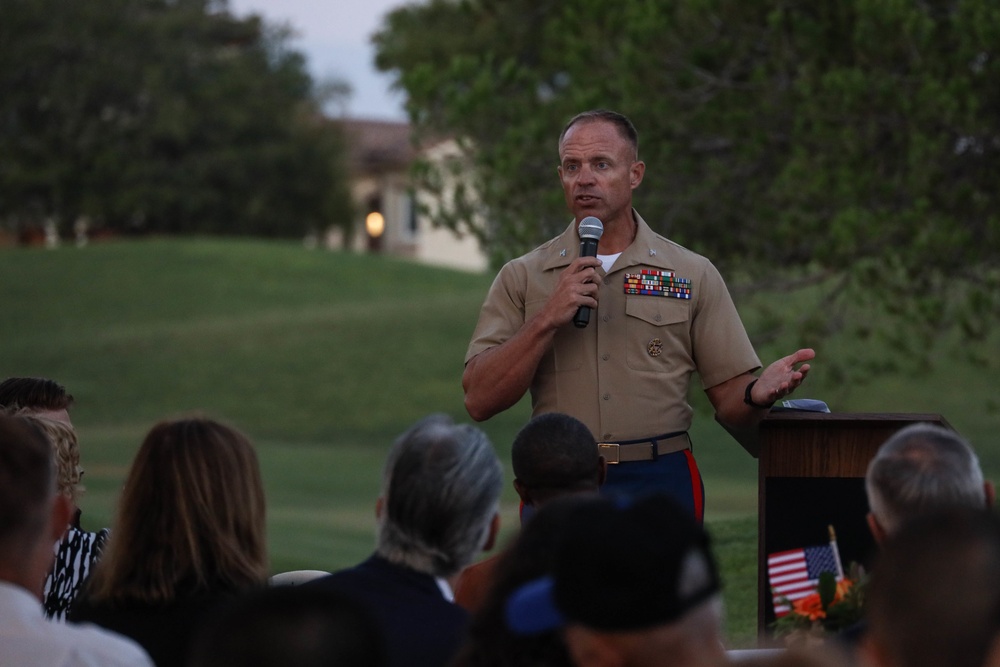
x,y
15,597
643,248
445,587
566,247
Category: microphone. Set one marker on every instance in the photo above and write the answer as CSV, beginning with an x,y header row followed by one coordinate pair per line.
x,y
590,231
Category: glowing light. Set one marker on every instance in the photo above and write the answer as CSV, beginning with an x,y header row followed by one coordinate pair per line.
x,y
375,224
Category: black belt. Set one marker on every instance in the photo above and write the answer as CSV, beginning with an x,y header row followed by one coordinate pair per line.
x,y
644,449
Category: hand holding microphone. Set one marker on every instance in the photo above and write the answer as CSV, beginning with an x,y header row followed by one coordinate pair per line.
x,y
590,231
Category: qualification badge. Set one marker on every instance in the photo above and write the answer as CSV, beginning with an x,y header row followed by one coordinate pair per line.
x,y
654,347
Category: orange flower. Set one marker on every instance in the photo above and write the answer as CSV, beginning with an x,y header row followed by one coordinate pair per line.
x,y
809,606
812,607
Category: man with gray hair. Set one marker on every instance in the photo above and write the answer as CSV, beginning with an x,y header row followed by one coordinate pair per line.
x,y
438,508
921,468
33,517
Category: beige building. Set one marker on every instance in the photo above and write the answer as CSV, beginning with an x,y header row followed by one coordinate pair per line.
x,y
388,219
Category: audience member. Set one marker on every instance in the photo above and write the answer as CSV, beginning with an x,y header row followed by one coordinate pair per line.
x,y
33,515
491,643
38,396
49,402
934,597
632,583
78,550
920,468
290,626
553,455
437,510
189,533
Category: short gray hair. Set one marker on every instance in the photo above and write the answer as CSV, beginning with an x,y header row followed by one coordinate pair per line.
x,y
440,490
920,468
621,122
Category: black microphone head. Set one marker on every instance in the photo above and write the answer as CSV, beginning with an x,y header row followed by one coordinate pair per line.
x,y
591,228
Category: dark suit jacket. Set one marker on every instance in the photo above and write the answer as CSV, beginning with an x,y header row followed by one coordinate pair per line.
x,y
421,628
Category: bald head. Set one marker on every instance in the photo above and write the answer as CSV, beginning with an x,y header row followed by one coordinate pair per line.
x,y
621,123
922,468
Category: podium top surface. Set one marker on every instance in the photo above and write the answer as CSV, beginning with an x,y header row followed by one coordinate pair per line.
x,y
821,444
829,418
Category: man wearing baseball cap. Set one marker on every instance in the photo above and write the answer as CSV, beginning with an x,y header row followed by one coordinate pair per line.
x,y
632,583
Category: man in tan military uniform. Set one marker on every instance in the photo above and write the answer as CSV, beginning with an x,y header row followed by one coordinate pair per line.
x,y
660,313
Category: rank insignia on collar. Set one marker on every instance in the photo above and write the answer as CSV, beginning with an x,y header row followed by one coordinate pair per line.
x,y
654,347
653,282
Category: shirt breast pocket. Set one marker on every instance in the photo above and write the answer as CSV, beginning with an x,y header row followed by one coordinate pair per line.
x,y
658,334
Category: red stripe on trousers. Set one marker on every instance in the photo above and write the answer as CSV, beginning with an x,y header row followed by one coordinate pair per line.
x,y
696,488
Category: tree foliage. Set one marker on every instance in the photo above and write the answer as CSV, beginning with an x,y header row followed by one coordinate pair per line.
x,y
162,116
849,149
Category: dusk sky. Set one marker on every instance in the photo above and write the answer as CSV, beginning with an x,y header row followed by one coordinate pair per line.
x,y
334,36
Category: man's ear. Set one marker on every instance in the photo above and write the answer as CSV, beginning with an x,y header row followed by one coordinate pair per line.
x,y
62,512
491,539
602,470
993,655
991,493
873,654
523,492
590,649
636,172
878,532
379,506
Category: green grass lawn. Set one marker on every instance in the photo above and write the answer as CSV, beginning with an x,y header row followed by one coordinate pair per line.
x,y
322,359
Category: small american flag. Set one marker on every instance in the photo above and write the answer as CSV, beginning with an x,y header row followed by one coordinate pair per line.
x,y
795,574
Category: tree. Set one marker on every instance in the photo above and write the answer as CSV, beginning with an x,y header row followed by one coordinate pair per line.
x,y
845,150
164,116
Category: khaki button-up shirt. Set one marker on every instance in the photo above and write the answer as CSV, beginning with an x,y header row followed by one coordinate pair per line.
x,y
626,375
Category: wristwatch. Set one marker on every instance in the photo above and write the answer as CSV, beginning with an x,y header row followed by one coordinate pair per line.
x,y
748,399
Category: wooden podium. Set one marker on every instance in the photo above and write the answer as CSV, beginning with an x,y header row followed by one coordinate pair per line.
x,y
811,471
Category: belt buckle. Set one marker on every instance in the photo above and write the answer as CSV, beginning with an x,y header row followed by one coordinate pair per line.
x,y
605,448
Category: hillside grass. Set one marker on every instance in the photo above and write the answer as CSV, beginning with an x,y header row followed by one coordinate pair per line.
x,y
322,358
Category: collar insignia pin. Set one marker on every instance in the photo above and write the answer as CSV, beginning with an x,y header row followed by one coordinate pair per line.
x,y
652,253
563,253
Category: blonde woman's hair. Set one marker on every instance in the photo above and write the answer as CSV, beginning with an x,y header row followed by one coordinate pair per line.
x,y
191,517
66,452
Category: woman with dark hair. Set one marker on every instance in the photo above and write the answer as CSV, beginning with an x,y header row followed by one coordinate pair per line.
x,y
189,534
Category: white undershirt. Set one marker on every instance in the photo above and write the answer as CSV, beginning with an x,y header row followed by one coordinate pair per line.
x,y
607,261
445,588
